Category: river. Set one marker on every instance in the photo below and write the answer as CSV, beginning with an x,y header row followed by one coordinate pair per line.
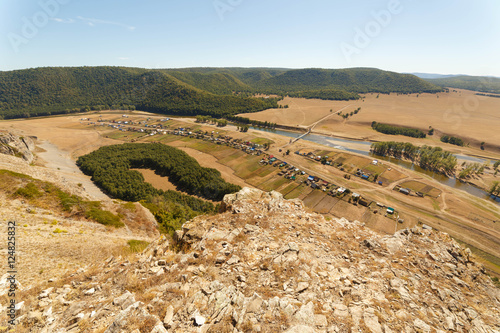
x,y
363,148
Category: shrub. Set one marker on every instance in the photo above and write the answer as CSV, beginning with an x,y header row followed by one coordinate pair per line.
x,y
137,245
30,191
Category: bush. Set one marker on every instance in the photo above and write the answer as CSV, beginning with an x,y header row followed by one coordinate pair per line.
x,y
137,245
30,191
104,217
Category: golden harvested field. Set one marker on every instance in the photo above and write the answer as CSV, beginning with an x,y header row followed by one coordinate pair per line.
x,y
459,112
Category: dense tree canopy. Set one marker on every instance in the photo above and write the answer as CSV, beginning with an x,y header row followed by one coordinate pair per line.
x,y
46,91
110,169
398,130
429,158
453,140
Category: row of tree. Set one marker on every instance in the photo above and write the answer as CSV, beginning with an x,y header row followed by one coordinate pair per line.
x,y
429,158
249,122
452,140
398,130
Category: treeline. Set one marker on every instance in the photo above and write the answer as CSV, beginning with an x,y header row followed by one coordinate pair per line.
x,y
429,158
398,130
476,83
332,95
452,140
488,95
350,80
249,122
50,91
211,120
110,167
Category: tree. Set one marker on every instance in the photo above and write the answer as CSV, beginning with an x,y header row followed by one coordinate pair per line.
x,y
495,188
495,166
482,145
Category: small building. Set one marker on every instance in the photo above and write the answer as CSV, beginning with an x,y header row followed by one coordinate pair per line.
x,y
356,195
365,177
375,162
341,190
404,190
390,210
310,178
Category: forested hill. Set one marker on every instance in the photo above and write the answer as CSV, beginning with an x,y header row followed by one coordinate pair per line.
x,y
193,91
45,91
307,81
476,83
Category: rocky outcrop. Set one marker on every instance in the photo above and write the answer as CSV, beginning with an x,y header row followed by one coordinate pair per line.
x,y
19,146
265,264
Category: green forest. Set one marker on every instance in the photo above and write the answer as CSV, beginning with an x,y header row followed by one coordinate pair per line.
x,y
475,83
49,91
452,140
398,130
429,158
216,92
110,167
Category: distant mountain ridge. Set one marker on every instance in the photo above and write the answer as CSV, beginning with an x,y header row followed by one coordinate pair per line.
x,y
190,91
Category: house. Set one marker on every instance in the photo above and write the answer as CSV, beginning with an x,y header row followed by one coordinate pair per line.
x,y
375,162
310,178
356,195
341,190
365,177
390,210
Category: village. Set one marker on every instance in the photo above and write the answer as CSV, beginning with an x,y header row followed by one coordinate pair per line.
x,y
151,127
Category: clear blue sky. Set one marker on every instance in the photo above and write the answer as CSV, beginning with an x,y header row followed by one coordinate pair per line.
x,y
432,36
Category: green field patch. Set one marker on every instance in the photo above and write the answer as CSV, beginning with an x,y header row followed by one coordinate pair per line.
x,y
246,165
236,154
296,192
273,183
289,188
422,188
328,153
374,169
261,141
167,138
260,173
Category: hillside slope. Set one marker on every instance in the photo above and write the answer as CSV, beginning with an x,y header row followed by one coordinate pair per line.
x,y
475,83
357,80
192,91
55,90
267,265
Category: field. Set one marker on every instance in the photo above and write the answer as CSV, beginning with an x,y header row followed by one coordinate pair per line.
x,y
422,188
459,113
